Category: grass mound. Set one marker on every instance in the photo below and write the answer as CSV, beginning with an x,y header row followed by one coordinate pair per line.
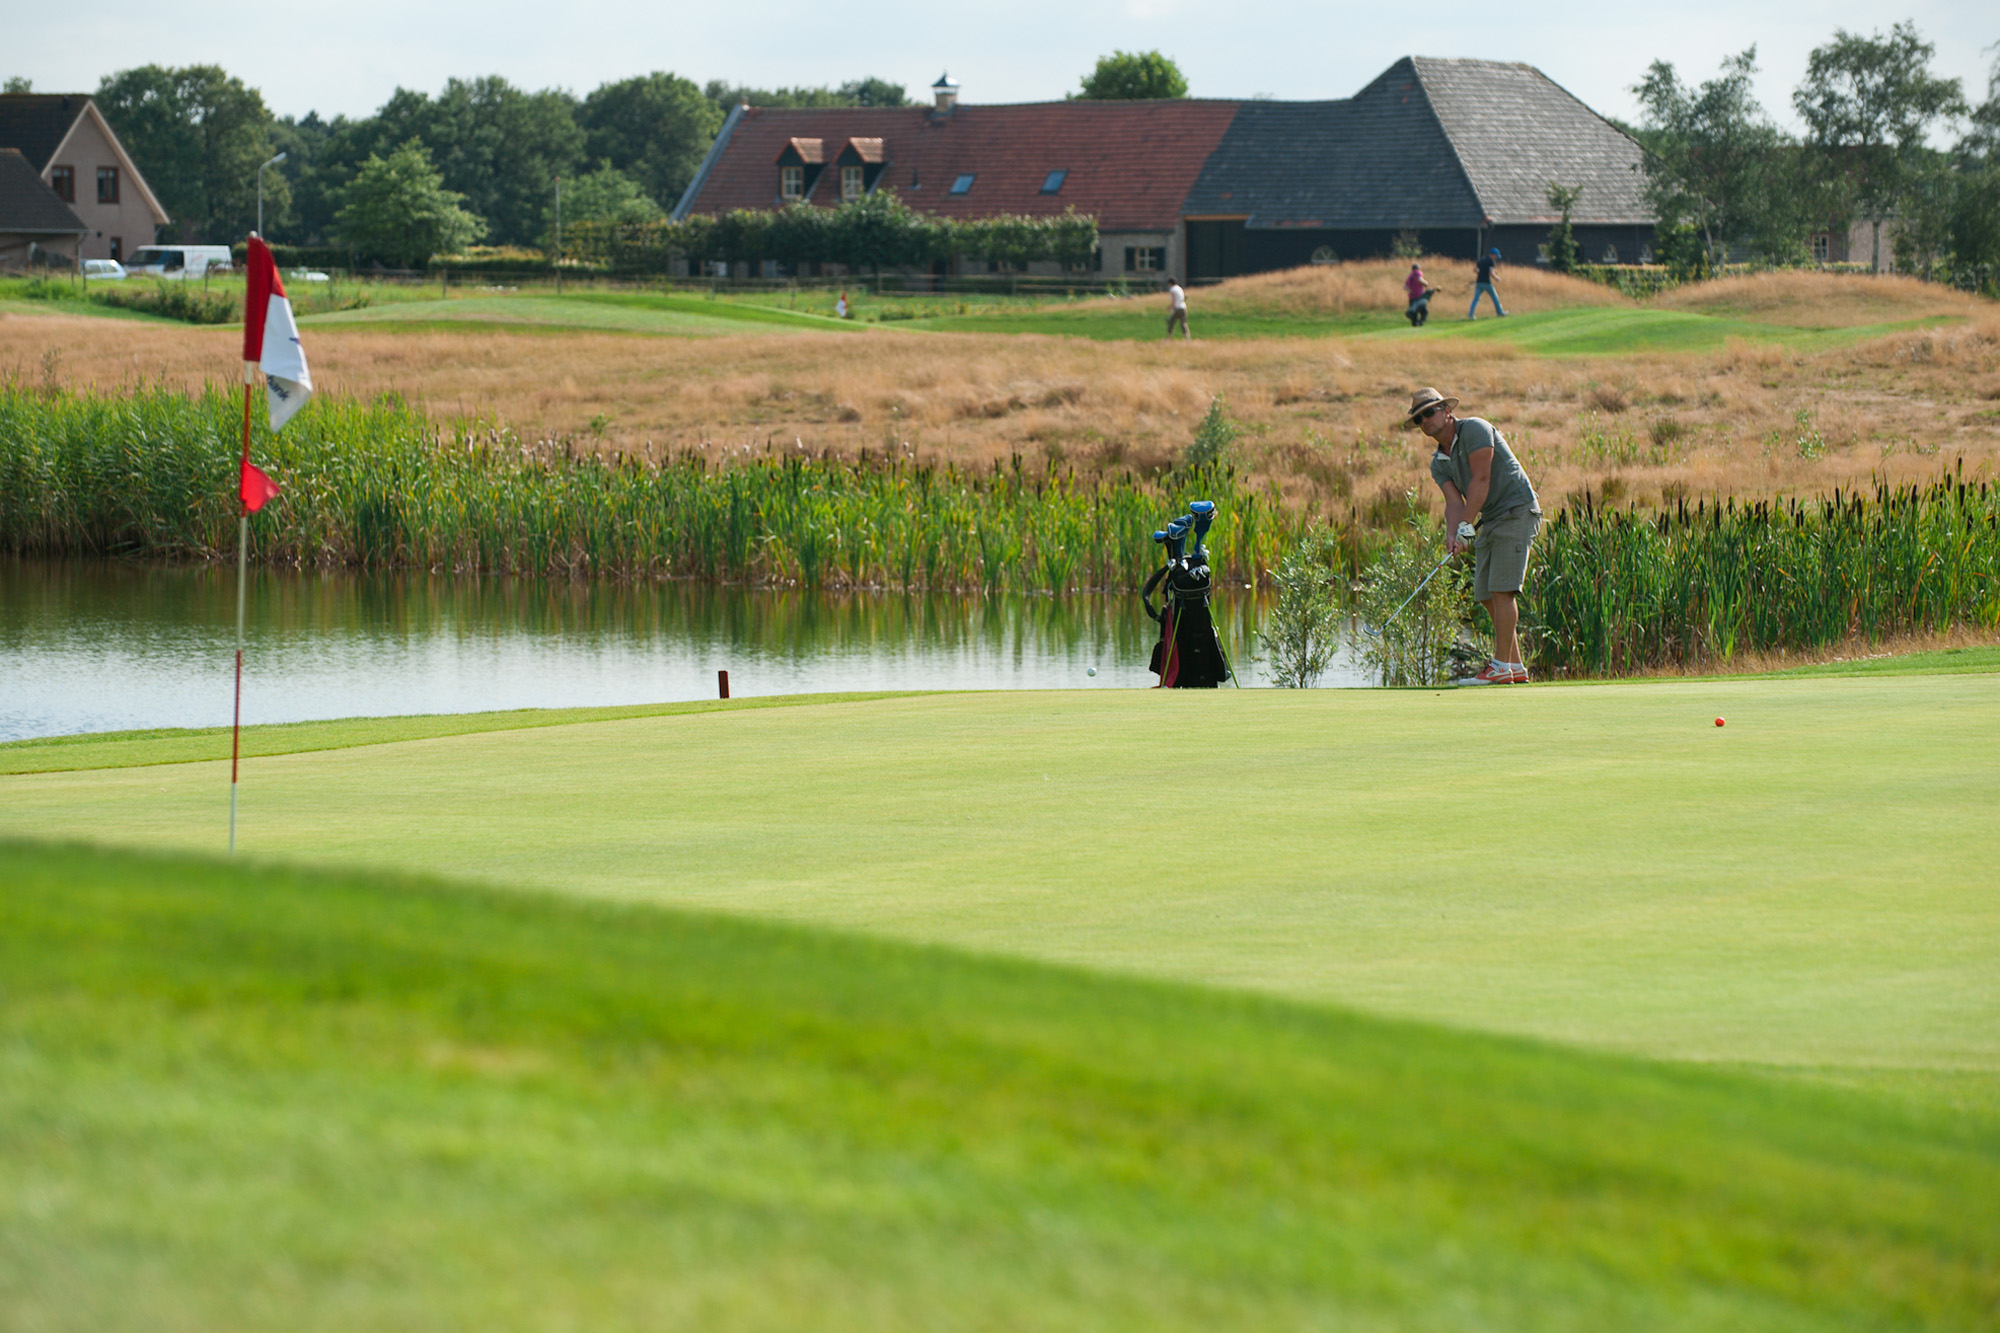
x,y
1377,284
1799,299
242,1098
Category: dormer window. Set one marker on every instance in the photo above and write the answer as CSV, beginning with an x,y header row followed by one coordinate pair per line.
x,y
963,185
1053,183
850,183
799,165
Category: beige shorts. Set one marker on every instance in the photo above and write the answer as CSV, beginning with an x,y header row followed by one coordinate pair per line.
x,y
1500,552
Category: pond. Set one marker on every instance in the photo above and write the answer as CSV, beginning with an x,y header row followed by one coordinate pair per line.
x,y
110,646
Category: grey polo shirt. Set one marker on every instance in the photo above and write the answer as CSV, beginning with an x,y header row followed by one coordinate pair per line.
x,y
1508,487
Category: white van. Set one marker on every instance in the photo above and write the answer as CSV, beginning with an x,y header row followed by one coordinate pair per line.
x,y
179,261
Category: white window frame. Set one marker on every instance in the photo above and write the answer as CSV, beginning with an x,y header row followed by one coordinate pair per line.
x,y
1146,259
851,183
791,182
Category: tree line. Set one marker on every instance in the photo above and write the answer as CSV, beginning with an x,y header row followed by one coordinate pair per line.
x,y
1725,180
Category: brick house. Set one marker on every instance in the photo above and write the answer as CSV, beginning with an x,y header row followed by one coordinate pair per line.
x,y
1128,164
67,142
1459,152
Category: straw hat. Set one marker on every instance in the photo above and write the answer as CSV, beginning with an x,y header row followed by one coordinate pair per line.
x,y
1426,398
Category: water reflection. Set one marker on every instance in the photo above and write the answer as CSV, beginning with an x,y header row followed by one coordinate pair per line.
x,y
96,646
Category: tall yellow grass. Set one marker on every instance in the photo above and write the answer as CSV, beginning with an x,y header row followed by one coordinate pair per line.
x,y
1322,418
1802,299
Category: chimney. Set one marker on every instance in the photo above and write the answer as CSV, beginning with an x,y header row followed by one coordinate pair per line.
x,y
945,90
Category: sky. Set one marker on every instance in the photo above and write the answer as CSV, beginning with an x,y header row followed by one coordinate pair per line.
x,y
348,59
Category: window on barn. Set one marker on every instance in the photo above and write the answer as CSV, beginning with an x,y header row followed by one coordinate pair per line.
x,y
963,185
1054,182
63,181
1822,247
792,182
107,185
850,183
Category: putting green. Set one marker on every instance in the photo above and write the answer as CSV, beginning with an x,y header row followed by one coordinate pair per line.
x,y
235,1097
1809,887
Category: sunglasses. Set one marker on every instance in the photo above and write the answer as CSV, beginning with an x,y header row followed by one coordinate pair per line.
x,y
1430,412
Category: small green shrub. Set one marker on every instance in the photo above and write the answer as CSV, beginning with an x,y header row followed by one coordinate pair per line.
x,y
1303,630
1214,439
1416,645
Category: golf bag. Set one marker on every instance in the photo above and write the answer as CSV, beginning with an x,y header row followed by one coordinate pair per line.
x,y
1188,655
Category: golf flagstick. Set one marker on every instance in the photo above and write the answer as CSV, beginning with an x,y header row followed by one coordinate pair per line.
x,y
242,573
270,344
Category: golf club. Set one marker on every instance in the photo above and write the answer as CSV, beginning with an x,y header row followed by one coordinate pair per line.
x,y
1203,512
1375,631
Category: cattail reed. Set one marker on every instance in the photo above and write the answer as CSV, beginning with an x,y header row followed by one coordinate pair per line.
x,y
378,485
1614,592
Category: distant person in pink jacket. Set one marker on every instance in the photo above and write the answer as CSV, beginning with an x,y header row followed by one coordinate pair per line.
x,y
1421,293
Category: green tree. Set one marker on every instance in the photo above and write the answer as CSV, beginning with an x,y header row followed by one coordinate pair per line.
x,y
1709,149
1563,251
1868,104
499,146
871,91
655,128
1132,76
606,197
18,83
397,209
198,136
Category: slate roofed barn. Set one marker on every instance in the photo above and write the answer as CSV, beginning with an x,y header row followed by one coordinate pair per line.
x,y
72,148
1460,152
32,219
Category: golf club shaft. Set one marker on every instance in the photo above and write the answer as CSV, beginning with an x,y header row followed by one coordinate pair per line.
x,y
1413,596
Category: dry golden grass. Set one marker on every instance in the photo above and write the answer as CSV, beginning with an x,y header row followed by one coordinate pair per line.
x,y
1798,299
1322,418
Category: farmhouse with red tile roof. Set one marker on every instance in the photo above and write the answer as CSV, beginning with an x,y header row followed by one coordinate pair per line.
x,y
1460,152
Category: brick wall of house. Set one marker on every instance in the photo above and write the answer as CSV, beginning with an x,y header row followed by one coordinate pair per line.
x,y
129,222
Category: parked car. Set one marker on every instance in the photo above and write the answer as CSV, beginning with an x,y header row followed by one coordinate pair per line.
x,y
179,261
106,270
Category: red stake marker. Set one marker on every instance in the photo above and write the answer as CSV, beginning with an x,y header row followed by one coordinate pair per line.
x,y
722,684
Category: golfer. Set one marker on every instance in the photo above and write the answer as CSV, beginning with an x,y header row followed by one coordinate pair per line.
x,y
1485,493
1177,309
1420,292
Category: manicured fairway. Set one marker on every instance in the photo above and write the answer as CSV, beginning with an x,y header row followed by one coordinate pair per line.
x,y
627,312
235,1098
1811,887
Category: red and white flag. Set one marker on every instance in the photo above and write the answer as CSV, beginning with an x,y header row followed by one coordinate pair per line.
x,y
271,338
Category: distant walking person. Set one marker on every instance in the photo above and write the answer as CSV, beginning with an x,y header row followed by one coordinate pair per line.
x,y
1483,282
1177,309
1490,505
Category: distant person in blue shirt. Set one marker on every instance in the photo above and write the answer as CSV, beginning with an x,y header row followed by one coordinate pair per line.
x,y
1483,282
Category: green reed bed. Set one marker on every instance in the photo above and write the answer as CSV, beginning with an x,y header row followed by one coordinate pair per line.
x,y
1615,592
379,485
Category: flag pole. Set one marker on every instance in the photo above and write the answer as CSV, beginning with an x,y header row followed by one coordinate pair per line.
x,y
242,573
